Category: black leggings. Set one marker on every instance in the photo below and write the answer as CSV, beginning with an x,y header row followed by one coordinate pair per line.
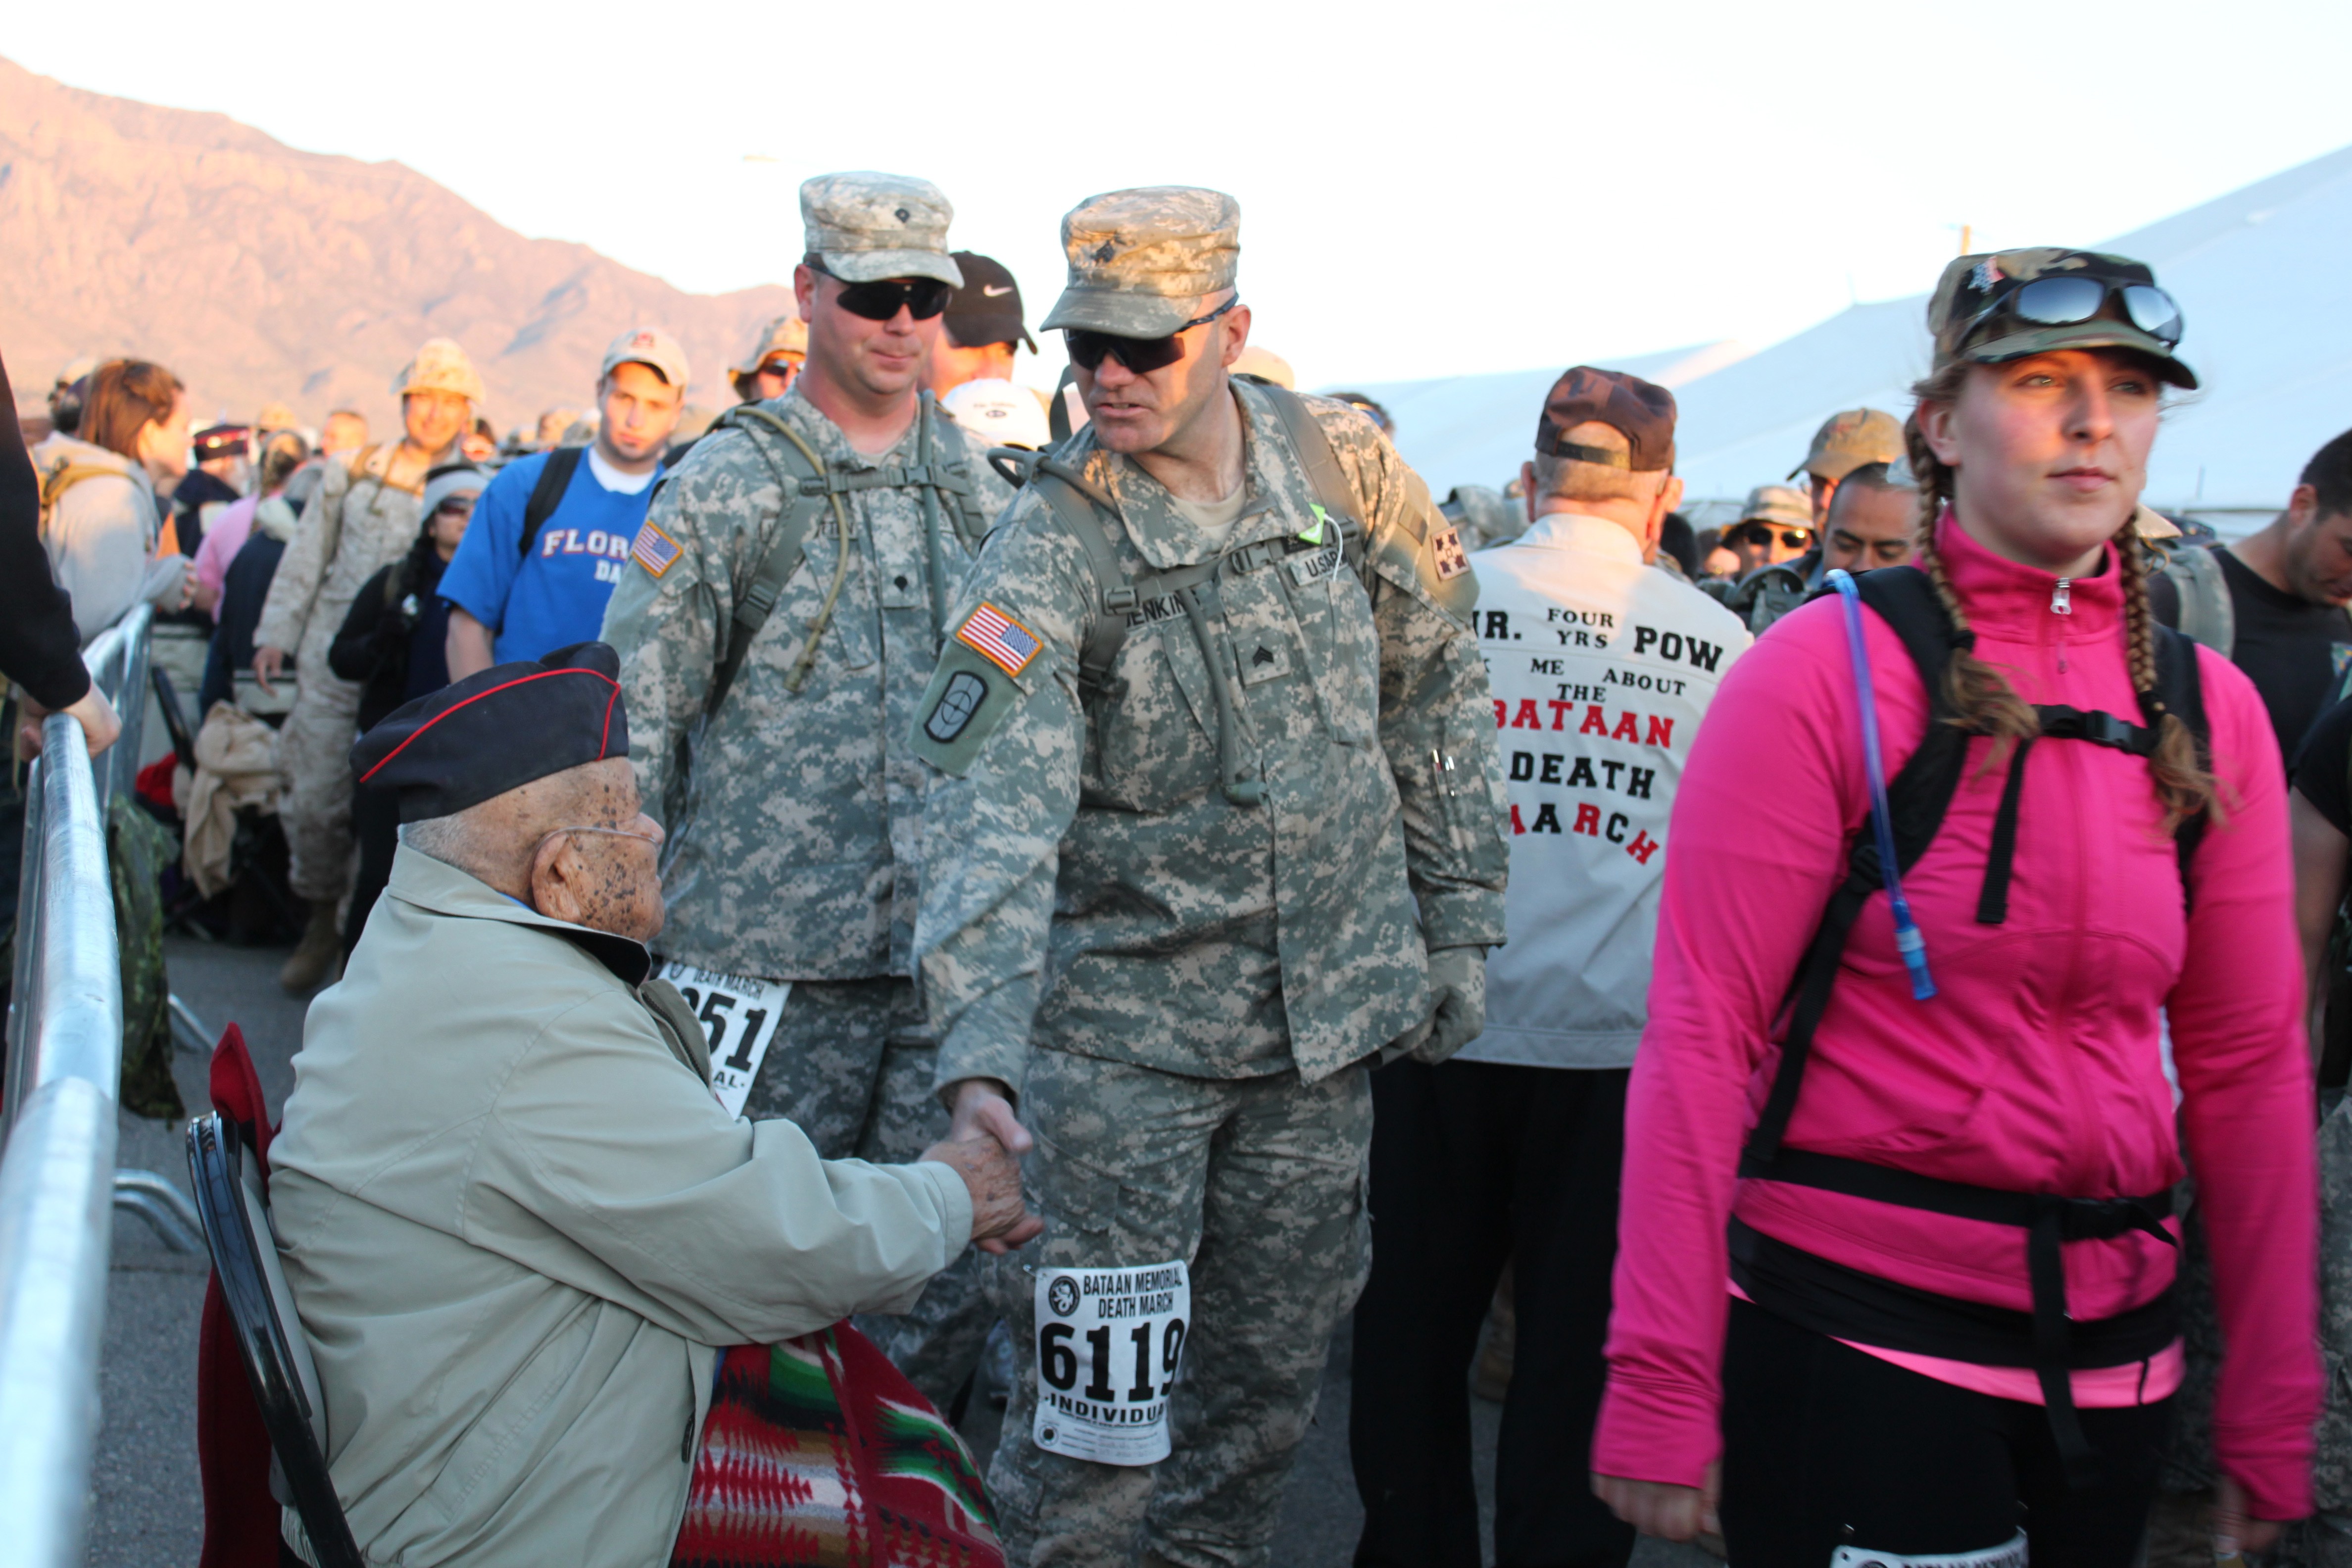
x,y
1825,1447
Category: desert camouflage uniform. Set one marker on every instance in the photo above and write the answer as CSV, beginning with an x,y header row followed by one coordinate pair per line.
x,y
1206,979
356,524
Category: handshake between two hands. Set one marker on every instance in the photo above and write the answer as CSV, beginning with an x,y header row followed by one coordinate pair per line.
x,y
984,1144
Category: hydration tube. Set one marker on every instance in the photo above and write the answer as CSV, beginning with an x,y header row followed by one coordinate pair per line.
x,y
1909,942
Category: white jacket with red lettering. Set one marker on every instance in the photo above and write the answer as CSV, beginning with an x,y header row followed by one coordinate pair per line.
x,y
1602,668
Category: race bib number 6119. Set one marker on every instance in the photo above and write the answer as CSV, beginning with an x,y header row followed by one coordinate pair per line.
x,y
1109,1342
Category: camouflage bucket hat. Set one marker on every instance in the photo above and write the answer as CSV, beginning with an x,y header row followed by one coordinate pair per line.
x,y
1141,259
1993,308
867,227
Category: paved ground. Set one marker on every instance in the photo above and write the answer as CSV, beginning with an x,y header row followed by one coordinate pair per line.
x,y
150,1512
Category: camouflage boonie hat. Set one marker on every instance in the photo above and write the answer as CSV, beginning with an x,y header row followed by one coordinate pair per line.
x,y
440,366
865,227
1141,259
1777,504
1972,283
1854,439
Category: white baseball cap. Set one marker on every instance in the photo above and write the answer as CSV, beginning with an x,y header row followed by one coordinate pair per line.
x,y
999,413
650,347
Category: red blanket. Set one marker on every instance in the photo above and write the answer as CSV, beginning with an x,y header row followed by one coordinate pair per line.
x,y
818,1454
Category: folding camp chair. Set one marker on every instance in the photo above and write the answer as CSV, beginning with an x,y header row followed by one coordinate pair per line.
x,y
233,1205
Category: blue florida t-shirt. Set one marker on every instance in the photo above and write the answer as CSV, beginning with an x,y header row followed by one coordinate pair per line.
x,y
557,596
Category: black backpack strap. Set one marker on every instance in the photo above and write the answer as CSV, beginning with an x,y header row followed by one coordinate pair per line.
x,y
548,493
1916,799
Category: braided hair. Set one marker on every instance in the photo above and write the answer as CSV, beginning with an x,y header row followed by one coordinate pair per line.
x,y
1983,701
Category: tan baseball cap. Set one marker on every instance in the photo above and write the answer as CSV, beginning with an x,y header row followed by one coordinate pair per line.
x,y
867,227
650,347
1266,365
439,366
276,416
1850,440
784,335
1777,504
1141,259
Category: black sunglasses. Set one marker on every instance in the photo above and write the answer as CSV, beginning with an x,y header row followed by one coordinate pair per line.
x,y
2063,301
1141,355
1761,535
921,297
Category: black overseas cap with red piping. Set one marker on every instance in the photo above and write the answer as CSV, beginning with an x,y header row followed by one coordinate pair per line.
x,y
497,731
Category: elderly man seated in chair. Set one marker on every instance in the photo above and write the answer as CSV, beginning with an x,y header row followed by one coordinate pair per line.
x,y
522,1233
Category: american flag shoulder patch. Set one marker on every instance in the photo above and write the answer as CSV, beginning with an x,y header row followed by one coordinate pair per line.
x,y
654,550
999,638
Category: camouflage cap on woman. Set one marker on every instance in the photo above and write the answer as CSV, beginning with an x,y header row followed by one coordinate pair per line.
x,y
1970,321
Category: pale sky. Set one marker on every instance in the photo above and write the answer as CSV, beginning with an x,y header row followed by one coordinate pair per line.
x,y
1425,190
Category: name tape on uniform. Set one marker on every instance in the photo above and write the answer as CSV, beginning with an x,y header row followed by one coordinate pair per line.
x,y
1109,1342
740,1014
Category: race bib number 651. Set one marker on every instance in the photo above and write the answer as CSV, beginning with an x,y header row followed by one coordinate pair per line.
x,y
1109,1342
740,1014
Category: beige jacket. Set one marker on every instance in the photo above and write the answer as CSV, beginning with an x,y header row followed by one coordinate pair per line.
x,y
516,1222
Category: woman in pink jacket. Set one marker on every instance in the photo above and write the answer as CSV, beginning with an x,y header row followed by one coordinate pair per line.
x,y
1896,1274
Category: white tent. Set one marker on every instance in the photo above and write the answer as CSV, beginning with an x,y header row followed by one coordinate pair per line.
x,y
2263,283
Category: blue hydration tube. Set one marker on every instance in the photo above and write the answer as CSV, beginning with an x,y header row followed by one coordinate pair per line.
x,y
1909,942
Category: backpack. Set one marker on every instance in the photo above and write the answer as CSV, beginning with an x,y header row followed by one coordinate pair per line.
x,y
1093,519
1122,601
809,485
1918,799
63,477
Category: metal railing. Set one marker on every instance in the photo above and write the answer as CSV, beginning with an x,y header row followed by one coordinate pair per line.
x,y
63,1072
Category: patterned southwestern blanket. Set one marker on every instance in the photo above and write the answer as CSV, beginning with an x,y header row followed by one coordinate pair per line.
x,y
818,1454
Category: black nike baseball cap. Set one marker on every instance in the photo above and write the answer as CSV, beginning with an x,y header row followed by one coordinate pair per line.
x,y
987,309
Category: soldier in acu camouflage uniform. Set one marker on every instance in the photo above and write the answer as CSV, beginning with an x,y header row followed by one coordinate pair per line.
x,y
364,518
794,808
1186,844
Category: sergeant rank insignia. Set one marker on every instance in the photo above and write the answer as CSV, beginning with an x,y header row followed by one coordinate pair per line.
x,y
1446,548
998,638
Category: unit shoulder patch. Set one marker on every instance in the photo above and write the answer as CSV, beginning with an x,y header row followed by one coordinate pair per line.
x,y
1445,549
970,697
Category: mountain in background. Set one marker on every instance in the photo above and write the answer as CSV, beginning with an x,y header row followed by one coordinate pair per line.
x,y
256,271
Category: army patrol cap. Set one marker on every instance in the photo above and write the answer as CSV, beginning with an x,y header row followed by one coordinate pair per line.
x,y
865,227
1141,259
439,366
1642,411
498,730
1854,439
1988,308
1777,504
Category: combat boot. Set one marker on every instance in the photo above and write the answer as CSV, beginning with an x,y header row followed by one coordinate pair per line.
x,y
313,958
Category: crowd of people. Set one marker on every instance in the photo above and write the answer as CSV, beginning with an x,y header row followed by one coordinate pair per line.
x,y
911,871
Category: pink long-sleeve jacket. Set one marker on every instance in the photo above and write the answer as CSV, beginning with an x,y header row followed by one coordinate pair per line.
x,y
2037,1066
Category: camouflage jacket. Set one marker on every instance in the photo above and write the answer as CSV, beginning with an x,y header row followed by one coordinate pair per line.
x,y
355,526
796,844
1089,876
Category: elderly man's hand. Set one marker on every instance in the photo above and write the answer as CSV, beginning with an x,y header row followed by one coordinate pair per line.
x,y
999,1220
